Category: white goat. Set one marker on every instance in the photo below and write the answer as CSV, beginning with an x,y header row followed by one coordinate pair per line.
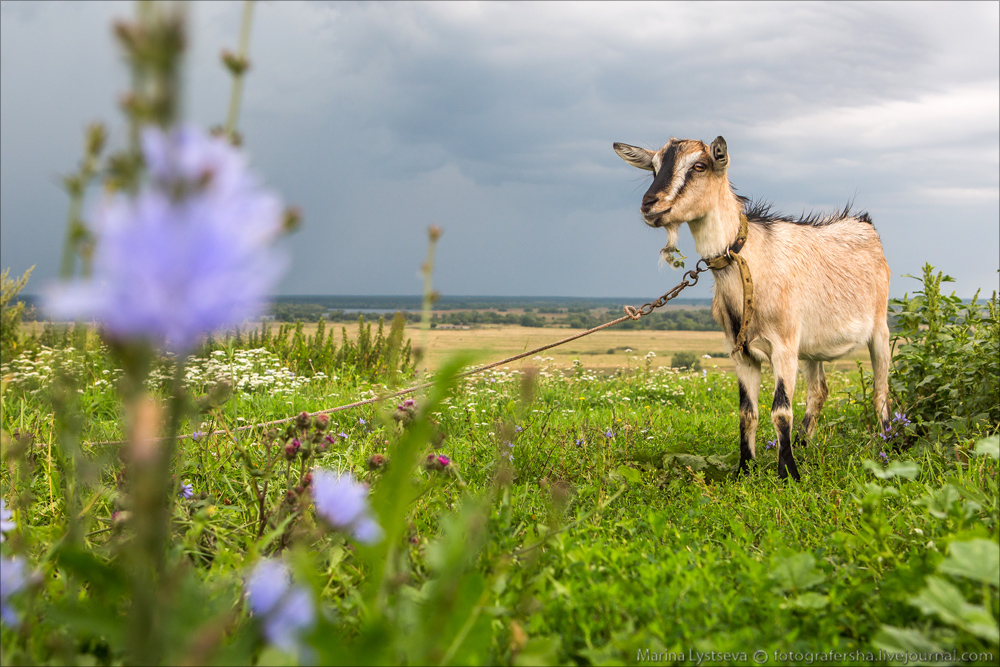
x,y
820,284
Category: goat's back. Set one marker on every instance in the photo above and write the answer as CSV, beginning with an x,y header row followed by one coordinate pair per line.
x,y
823,287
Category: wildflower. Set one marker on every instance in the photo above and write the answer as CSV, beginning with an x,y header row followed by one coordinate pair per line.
x,y
376,462
343,503
609,433
342,435
362,422
13,578
187,491
518,429
900,418
882,455
197,435
285,610
5,519
771,444
191,252
439,462
292,449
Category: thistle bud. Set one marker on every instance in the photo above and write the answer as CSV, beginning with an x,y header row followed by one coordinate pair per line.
x,y
376,462
292,219
322,422
234,63
292,449
302,421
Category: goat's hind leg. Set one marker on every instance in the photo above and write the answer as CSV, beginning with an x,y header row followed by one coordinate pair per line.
x,y
816,393
748,375
785,367
881,354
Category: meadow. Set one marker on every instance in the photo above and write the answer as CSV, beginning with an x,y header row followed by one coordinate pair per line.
x,y
583,515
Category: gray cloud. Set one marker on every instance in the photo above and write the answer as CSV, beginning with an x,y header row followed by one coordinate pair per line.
x,y
496,120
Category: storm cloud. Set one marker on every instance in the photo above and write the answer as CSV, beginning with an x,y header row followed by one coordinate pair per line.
x,y
495,121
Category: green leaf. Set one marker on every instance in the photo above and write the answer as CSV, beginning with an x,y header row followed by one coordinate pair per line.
x,y
810,601
907,469
946,602
977,559
989,446
904,640
540,651
796,573
631,475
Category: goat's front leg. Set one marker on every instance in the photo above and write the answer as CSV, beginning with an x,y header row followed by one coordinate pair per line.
x,y
748,375
785,365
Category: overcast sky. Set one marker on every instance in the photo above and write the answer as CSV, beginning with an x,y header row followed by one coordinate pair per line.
x,y
495,121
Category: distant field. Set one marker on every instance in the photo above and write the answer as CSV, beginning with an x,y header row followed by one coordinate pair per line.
x,y
498,341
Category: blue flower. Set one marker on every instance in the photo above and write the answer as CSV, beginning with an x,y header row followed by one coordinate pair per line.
x,y
13,578
285,610
518,429
609,433
884,457
5,519
191,252
771,444
187,491
343,503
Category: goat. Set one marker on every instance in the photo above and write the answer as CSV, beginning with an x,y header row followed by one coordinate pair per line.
x,y
820,284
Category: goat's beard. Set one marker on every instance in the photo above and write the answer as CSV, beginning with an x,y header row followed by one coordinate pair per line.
x,y
667,252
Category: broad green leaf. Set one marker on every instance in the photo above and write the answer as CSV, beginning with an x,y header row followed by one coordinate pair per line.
x,y
977,559
540,651
631,475
946,602
989,446
904,640
907,469
796,573
810,601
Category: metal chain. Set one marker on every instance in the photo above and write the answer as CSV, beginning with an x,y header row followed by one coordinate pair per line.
x,y
631,313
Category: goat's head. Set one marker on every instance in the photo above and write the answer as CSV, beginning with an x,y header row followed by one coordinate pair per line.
x,y
688,178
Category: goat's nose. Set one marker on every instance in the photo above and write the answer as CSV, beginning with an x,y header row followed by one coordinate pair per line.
x,y
647,203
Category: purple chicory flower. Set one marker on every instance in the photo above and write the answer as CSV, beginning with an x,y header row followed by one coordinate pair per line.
x,y
285,610
13,578
343,503
187,491
5,519
191,252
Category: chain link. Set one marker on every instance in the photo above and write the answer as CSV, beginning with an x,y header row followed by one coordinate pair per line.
x,y
689,280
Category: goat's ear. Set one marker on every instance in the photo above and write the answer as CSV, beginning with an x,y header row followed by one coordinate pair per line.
x,y
720,155
635,156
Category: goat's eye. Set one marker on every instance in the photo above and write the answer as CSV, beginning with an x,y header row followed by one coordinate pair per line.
x,y
699,166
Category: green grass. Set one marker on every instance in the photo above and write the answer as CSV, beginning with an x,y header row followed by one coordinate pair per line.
x,y
594,550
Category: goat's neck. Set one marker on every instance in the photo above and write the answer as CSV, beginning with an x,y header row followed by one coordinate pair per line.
x,y
716,230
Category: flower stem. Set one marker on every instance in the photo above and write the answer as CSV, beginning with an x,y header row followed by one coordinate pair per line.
x,y
241,58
